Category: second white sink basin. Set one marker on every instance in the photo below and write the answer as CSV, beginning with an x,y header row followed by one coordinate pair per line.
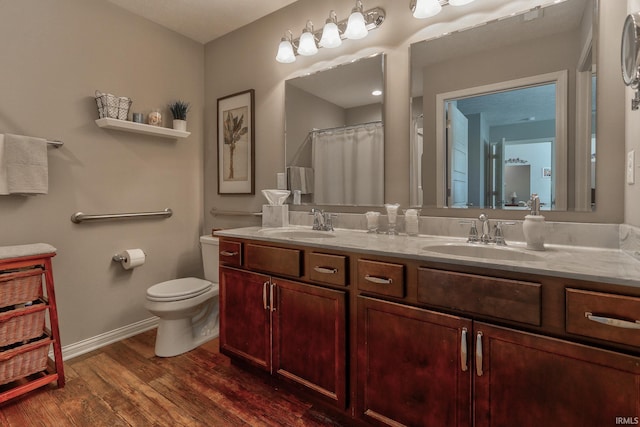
x,y
482,251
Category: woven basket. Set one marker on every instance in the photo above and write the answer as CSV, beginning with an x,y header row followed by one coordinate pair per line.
x,y
22,324
24,360
20,287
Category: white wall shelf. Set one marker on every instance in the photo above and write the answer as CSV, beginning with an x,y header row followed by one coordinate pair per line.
x,y
128,126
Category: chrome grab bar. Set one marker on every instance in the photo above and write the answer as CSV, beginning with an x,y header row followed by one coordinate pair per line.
x,y
219,212
79,217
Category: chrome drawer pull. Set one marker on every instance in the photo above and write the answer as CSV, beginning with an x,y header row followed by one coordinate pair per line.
x,y
618,323
325,270
378,280
272,296
463,350
264,295
227,253
479,371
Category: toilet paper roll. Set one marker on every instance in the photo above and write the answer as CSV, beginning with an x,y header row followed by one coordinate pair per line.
x,y
132,258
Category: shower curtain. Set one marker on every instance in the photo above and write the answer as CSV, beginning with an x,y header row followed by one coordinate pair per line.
x,y
348,165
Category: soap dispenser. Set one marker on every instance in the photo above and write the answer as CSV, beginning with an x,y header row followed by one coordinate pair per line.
x,y
534,225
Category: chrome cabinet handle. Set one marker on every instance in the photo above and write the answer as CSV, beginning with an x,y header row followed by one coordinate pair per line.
x,y
264,295
227,253
325,270
479,354
378,280
618,323
271,296
463,350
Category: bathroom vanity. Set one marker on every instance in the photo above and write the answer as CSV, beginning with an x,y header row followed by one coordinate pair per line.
x,y
390,331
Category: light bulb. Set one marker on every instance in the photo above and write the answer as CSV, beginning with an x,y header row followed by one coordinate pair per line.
x,y
307,46
356,26
330,35
426,8
285,52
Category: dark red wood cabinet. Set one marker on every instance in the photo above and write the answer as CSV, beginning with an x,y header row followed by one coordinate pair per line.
x,y
293,330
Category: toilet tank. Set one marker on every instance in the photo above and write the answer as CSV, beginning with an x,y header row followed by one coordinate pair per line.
x,y
209,245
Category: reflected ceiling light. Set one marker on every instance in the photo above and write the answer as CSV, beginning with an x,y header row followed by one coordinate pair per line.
x,y
428,8
330,32
285,51
376,92
307,45
356,26
425,8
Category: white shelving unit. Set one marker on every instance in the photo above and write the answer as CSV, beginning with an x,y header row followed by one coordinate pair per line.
x,y
142,128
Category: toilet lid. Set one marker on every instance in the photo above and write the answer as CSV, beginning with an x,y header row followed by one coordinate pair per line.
x,y
178,289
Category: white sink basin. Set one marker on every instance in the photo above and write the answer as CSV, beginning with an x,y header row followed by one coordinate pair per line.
x,y
299,234
481,251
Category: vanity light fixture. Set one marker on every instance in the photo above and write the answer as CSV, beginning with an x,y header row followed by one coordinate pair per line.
x,y
307,46
427,8
330,32
357,26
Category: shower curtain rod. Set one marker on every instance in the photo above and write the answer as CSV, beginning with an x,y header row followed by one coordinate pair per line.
x,y
345,127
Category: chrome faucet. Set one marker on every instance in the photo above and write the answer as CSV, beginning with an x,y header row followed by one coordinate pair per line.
x,y
485,236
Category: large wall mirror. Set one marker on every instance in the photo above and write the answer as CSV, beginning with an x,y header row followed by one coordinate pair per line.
x,y
335,134
506,109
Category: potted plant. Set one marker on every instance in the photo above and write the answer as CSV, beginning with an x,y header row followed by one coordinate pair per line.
x,y
179,110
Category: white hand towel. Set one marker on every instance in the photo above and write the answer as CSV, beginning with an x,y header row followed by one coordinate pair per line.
x,y
4,183
27,165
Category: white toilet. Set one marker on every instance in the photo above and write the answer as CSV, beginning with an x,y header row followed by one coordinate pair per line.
x,y
187,308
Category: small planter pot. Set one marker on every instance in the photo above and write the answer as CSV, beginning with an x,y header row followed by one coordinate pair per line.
x,y
180,125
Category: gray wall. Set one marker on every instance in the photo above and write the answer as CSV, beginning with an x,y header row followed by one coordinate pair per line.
x,y
632,192
55,54
245,59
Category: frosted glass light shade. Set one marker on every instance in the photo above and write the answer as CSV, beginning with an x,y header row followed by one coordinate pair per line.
x,y
427,8
285,53
459,2
307,46
356,26
330,36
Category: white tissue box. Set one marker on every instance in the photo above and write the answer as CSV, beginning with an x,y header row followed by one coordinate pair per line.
x,y
275,215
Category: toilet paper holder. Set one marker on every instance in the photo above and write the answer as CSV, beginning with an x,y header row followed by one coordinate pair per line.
x,y
120,257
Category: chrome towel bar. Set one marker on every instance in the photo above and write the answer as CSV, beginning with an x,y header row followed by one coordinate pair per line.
x,y
79,217
55,143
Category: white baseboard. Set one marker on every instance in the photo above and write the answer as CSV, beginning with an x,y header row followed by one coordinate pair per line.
x,y
85,346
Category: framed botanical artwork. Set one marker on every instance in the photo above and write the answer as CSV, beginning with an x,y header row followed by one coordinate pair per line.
x,y
236,139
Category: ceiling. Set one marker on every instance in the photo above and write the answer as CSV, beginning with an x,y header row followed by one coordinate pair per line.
x,y
202,20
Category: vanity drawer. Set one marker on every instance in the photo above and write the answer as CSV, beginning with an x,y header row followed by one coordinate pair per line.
x,y
326,268
382,278
500,298
604,316
274,260
230,253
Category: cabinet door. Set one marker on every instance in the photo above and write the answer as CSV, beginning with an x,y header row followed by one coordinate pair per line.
x,y
530,380
413,367
309,338
244,316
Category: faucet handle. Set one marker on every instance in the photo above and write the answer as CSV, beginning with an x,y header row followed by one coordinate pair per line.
x,y
328,221
473,231
498,235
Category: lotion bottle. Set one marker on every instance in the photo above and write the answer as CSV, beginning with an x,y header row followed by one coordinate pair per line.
x,y
534,226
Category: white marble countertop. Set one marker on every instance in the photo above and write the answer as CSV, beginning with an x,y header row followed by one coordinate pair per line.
x,y
575,262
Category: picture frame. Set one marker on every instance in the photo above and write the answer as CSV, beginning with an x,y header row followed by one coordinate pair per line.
x,y
236,143
546,173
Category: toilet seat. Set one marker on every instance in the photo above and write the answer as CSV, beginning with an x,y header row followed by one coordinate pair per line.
x,y
178,289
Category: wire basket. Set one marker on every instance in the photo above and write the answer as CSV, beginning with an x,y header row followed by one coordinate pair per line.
x,y
20,287
113,107
23,360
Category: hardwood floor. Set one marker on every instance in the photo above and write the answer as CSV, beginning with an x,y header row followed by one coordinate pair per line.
x,y
125,384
